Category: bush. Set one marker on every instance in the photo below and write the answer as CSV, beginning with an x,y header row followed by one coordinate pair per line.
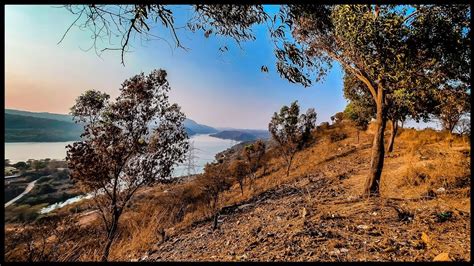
x,y
337,136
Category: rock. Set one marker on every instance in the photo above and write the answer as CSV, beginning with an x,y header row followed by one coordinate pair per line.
x,y
304,212
441,190
238,222
362,226
241,207
374,213
442,257
343,250
242,257
425,238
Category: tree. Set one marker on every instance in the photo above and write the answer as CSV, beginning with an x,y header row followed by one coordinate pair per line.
x,y
337,117
130,22
7,162
39,164
127,144
21,166
239,170
292,131
214,181
359,115
253,154
388,48
376,45
452,105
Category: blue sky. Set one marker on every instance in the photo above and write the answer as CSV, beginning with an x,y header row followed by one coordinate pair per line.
x,y
221,90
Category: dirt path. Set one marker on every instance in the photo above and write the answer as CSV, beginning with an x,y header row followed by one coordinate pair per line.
x,y
28,189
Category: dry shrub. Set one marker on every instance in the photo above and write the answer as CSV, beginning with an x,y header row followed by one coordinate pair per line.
x,y
450,171
337,136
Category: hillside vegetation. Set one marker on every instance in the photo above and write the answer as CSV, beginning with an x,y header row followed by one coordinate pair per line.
x,y
313,214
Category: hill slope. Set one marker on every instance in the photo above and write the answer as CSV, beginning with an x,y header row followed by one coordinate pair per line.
x,y
25,126
315,214
242,134
20,128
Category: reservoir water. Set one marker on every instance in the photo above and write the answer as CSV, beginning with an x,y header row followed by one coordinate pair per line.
x,y
205,148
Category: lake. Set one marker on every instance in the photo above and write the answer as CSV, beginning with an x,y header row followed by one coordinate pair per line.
x,y
205,148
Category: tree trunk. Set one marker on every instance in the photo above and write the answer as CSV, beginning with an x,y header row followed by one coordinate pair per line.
x,y
216,217
393,133
110,236
163,235
289,166
358,136
376,163
241,186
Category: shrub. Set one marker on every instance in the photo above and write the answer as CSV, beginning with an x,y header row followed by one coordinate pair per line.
x,y
337,136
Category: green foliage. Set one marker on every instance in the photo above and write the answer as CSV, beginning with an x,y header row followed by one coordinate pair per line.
x,y
132,142
358,114
21,165
291,130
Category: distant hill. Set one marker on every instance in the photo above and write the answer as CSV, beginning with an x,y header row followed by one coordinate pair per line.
x,y
25,126
60,117
242,134
21,128
198,128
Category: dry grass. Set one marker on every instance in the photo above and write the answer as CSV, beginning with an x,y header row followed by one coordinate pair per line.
x,y
422,161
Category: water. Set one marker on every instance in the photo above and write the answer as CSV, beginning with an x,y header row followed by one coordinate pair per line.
x,y
205,148
22,151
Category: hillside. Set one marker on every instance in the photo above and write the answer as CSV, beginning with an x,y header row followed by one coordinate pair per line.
x,y
25,126
196,128
20,128
242,134
314,214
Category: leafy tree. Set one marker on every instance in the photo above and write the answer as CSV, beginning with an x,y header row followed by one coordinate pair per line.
x,y
214,181
39,164
130,22
359,115
21,165
253,154
292,131
453,104
239,170
376,45
127,144
392,50
337,117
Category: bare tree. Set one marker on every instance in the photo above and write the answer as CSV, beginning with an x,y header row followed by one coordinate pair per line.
x,y
132,142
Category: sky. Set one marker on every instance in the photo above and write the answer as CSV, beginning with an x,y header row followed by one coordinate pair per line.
x,y
212,88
